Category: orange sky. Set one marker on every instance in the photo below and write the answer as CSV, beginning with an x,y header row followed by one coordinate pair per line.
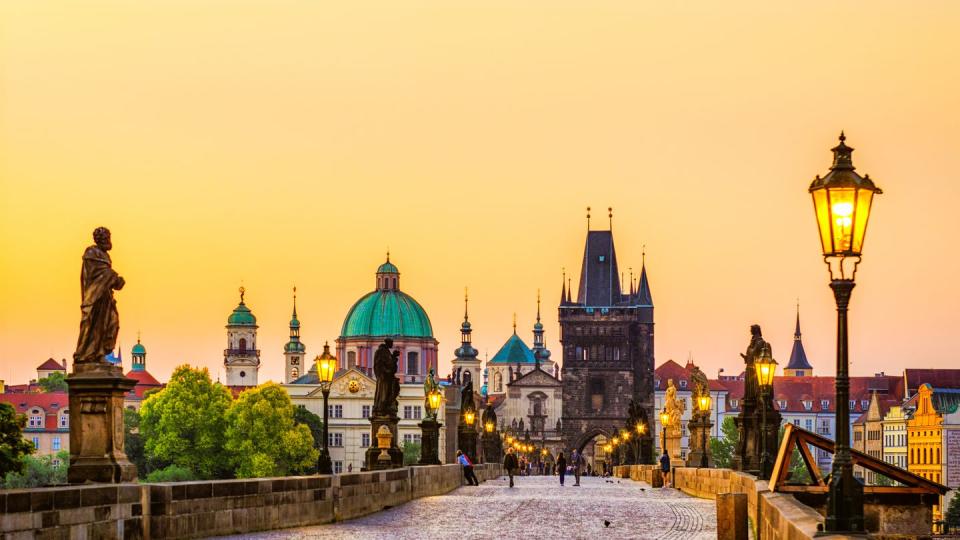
x,y
290,142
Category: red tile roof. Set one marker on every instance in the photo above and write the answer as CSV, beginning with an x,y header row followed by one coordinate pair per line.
x,y
938,378
145,383
51,403
793,391
51,365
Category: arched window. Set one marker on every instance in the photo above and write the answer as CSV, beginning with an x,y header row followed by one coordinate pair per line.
x,y
938,456
413,363
243,345
36,418
498,382
294,373
65,419
394,283
351,359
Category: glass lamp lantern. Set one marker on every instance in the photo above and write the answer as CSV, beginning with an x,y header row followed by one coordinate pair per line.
x,y
704,402
469,417
641,429
488,427
766,367
326,366
664,419
435,398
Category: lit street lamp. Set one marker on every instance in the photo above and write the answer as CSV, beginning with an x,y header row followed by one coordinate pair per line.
x,y
641,428
430,429
326,366
766,368
703,404
842,201
664,420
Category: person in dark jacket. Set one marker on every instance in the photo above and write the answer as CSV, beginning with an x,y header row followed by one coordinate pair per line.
x,y
561,466
468,473
665,468
510,464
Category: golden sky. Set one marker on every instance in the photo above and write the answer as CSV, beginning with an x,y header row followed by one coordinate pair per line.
x,y
292,141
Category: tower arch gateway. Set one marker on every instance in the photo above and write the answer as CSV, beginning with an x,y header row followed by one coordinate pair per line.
x,y
606,334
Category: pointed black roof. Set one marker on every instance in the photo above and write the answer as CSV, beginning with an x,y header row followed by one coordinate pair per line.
x,y
644,297
599,276
798,358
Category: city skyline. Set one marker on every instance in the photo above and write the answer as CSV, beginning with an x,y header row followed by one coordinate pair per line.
x,y
295,146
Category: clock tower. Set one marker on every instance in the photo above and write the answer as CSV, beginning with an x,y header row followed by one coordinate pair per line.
x,y
294,352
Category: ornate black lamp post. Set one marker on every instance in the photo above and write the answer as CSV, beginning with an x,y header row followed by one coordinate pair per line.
x,y
842,201
703,405
430,429
326,365
766,368
641,431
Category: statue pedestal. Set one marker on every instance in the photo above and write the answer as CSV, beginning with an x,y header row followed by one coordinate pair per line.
x,y
492,447
429,442
699,431
96,425
467,441
673,450
373,453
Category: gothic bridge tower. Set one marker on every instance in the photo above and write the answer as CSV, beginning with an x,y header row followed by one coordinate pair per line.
x,y
607,339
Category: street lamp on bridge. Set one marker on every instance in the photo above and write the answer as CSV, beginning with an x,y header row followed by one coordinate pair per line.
x,y
326,366
842,201
766,368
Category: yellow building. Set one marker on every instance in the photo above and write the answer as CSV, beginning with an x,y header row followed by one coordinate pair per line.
x,y
925,435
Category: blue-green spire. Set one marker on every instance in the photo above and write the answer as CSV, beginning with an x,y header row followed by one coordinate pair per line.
x,y
294,344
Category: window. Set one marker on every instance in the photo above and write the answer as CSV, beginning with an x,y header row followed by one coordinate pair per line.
x,y
411,412
808,424
335,411
336,440
243,345
853,404
409,438
36,419
56,444
36,442
364,440
683,383
413,363
337,467
294,373
64,419
417,412
782,403
796,422
497,382
351,359
602,258
365,411
808,404
864,404
857,436
735,403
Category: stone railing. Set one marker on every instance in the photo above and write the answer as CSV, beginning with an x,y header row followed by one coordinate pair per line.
x,y
218,507
774,515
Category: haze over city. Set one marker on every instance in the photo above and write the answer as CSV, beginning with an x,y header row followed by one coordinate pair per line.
x,y
225,145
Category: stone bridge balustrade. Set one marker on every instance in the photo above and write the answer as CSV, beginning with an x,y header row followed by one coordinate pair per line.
x,y
218,507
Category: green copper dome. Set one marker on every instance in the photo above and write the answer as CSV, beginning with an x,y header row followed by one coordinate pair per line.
x,y
387,313
294,346
139,350
388,268
242,316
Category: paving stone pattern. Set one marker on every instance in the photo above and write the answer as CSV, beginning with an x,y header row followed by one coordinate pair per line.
x,y
536,508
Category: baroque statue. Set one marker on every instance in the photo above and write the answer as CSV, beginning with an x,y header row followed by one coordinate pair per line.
x,y
489,415
387,390
429,386
700,387
99,322
466,399
674,407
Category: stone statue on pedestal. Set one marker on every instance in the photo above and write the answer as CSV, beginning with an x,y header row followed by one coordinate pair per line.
x,y
385,406
97,388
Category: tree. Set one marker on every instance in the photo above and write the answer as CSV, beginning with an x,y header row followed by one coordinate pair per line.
x,y
171,473
39,471
302,416
55,382
798,469
411,453
721,448
13,447
262,438
184,424
133,441
952,517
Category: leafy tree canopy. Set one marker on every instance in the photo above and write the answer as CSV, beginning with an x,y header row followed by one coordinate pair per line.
x,y
411,453
40,471
263,438
721,448
55,382
171,473
13,447
133,441
952,517
184,423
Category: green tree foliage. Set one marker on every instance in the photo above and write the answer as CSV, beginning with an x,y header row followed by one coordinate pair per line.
x,y
13,447
133,441
302,416
952,517
798,470
721,448
262,437
170,473
55,382
40,471
411,453
184,424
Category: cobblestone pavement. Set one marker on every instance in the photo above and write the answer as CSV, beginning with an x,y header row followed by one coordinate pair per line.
x,y
536,508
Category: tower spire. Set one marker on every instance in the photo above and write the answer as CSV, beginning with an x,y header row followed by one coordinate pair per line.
x,y
563,287
538,305
610,216
588,219
466,304
294,301
514,322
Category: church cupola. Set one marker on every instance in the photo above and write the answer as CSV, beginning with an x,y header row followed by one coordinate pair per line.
x,y
388,276
294,350
139,354
241,358
466,350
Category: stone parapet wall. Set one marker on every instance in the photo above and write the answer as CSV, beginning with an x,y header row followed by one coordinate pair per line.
x,y
218,507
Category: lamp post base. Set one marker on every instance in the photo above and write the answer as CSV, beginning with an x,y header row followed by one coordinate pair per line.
x,y
324,465
373,453
844,503
429,442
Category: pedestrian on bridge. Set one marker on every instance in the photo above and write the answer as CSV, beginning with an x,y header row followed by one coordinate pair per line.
x,y
561,466
576,459
467,469
665,468
510,464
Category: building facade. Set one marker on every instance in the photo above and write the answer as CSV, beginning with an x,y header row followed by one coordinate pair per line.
x,y
895,437
48,419
241,358
680,375
607,347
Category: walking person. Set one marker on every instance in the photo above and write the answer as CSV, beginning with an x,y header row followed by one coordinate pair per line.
x,y
665,468
576,459
510,464
561,466
471,478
